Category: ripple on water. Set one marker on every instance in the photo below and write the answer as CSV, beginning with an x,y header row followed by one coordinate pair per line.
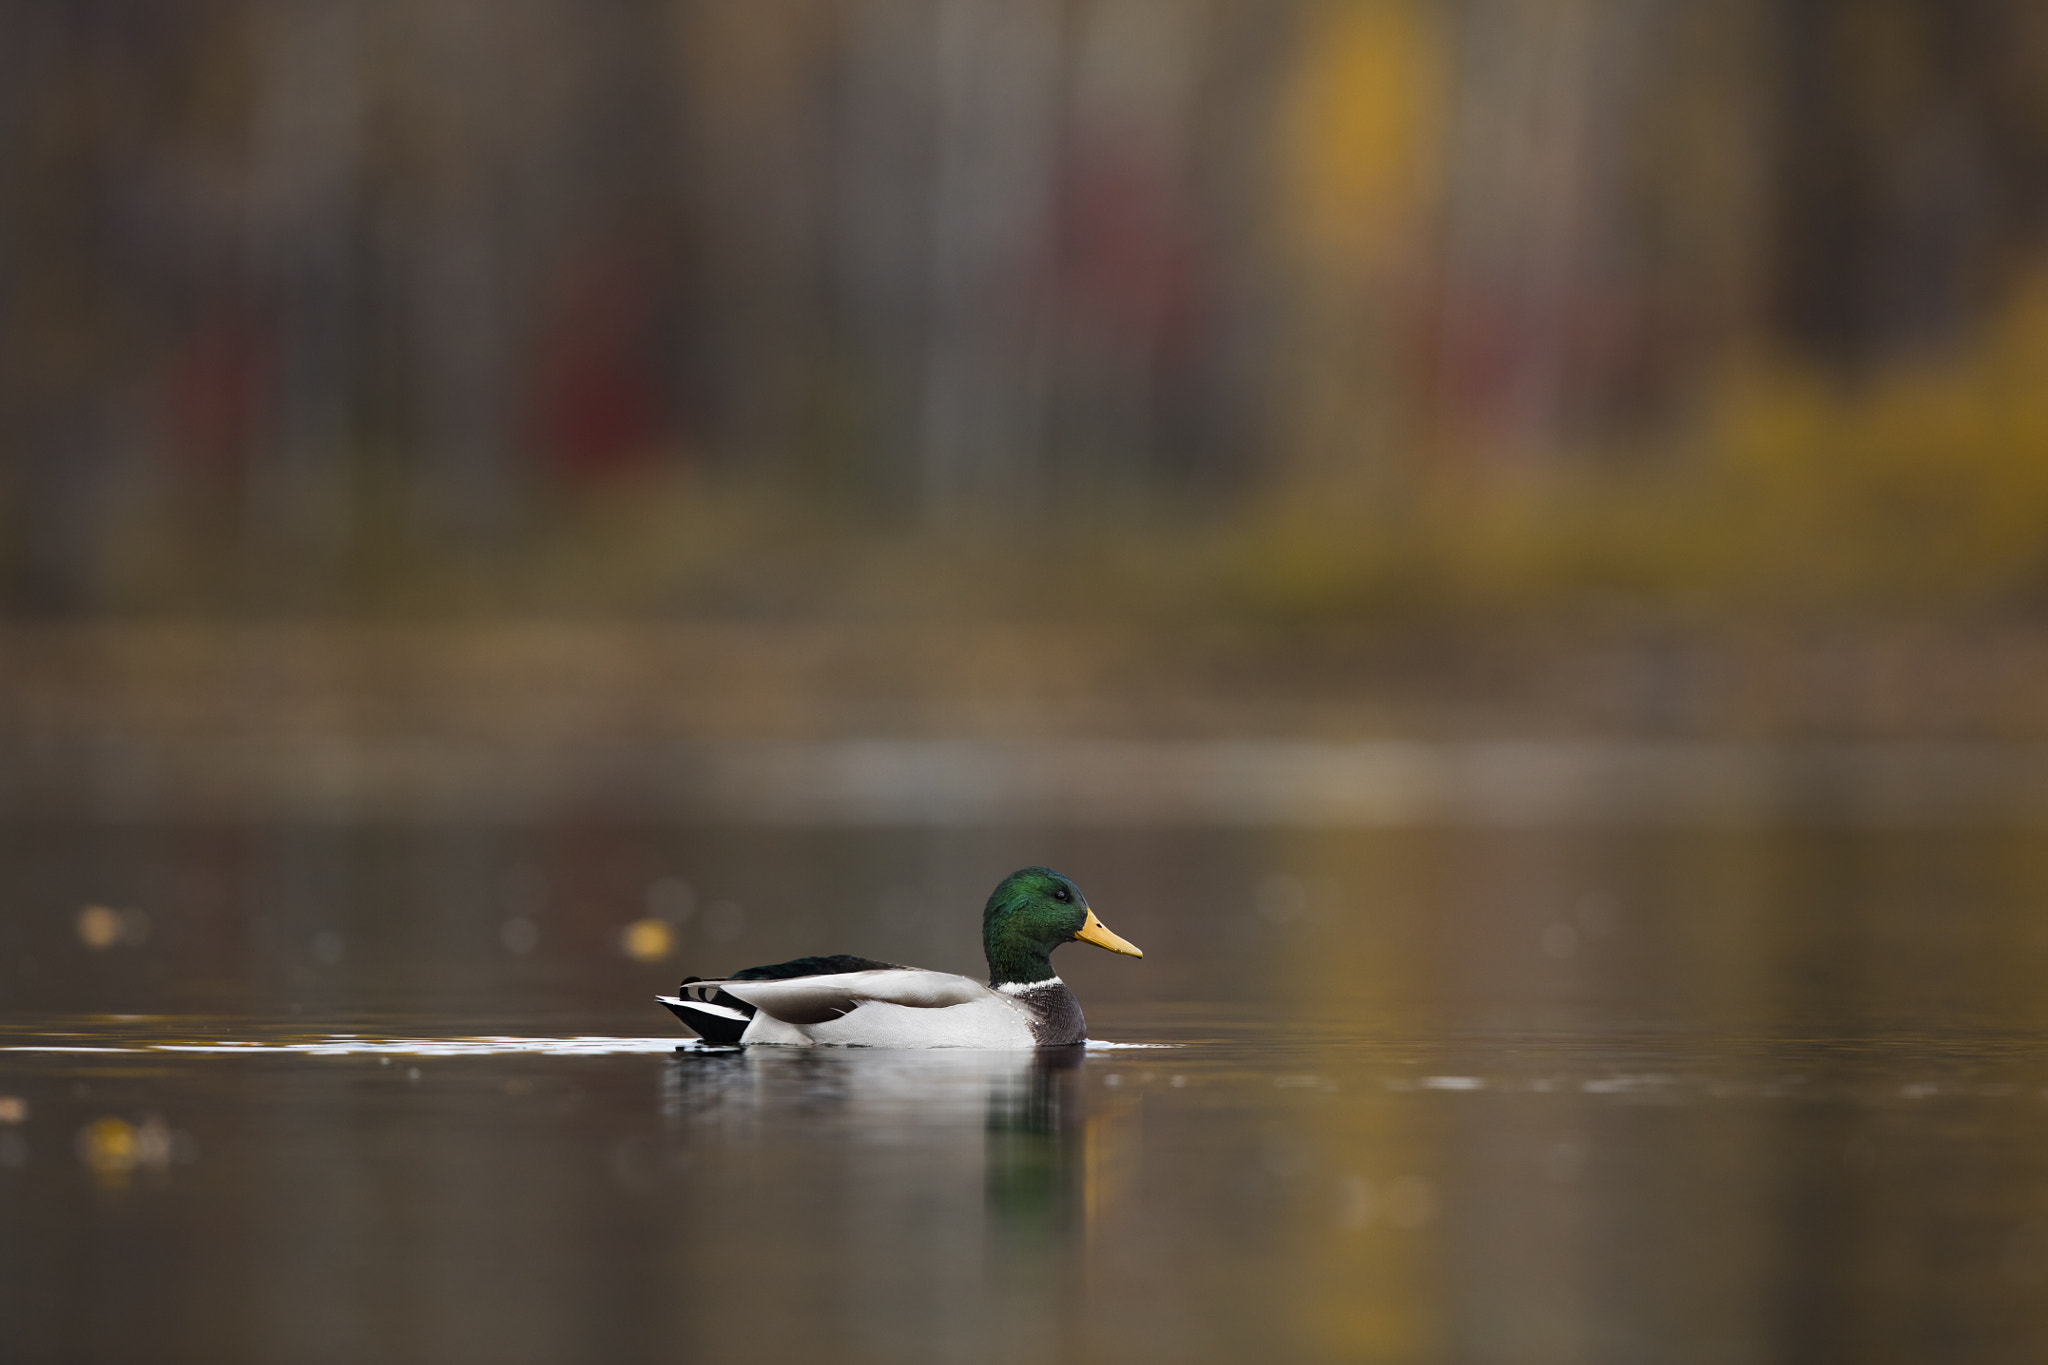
x,y
348,1045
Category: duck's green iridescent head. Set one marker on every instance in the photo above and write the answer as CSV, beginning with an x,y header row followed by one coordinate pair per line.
x,y
1031,913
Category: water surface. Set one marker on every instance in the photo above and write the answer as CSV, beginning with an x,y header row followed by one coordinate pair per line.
x,y
1451,1095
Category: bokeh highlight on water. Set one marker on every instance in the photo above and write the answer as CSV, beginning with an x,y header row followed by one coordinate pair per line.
x,y
1451,1093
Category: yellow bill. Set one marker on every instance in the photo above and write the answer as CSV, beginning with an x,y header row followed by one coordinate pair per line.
x,y
1097,933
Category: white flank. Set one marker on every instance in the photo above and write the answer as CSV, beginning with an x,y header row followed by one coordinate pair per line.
x,y
991,1022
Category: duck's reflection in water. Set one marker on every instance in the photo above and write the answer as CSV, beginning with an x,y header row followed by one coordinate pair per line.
x,y
796,1092
964,1178
1037,1134
1036,1146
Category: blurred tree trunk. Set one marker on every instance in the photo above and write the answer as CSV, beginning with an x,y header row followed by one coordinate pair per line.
x,y
982,437
1910,146
71,306
304,212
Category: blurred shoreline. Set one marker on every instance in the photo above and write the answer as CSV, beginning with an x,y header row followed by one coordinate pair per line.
x,y
911,722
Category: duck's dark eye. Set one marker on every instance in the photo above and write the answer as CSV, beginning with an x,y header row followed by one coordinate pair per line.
x,y
1062,895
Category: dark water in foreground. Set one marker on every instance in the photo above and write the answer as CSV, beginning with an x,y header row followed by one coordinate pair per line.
x,y
1523,1096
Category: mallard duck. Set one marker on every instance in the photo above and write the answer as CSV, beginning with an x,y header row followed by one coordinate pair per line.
x,y
856,1001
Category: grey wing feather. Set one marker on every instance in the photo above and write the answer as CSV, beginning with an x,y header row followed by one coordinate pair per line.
x,y
816,999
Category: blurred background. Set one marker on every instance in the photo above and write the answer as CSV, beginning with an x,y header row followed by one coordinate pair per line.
x,y
1289,308
505,374
1325,368
1504,541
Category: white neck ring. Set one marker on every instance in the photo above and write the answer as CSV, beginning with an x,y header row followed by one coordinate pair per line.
x,y
1019,987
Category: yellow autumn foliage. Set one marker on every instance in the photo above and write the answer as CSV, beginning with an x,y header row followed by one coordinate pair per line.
x,y
1923,484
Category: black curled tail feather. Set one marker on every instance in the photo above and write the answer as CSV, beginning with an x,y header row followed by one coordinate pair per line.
x,y
724,1021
